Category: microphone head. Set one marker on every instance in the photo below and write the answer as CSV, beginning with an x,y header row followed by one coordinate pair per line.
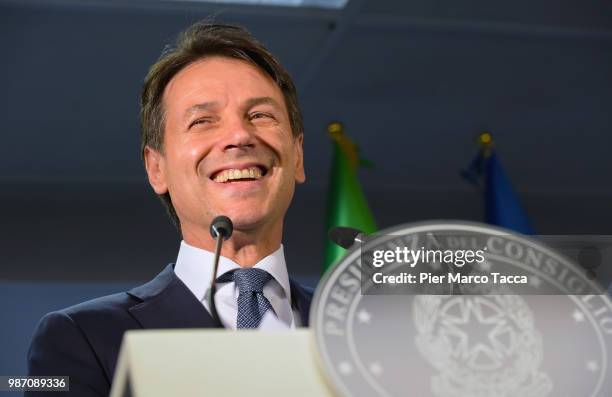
x,y
344,236
221,226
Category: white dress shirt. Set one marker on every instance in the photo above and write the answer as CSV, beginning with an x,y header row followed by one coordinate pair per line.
x,y
194,268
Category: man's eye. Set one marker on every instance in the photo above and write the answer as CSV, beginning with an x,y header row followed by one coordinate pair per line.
x,y
260,115
200,121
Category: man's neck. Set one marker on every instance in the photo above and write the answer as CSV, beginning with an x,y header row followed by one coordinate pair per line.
x,y
244,248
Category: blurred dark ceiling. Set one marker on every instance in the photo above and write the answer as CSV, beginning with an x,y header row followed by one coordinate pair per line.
x,y
413,81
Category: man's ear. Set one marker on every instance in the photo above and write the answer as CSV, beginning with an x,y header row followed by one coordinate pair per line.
x,y
155,165
300,174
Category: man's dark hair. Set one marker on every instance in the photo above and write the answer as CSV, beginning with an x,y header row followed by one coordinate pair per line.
x,y
202,40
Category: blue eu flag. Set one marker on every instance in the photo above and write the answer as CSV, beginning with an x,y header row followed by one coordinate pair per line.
x,y
502,206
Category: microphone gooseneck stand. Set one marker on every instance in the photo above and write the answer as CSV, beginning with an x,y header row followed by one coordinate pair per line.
x,y
221,229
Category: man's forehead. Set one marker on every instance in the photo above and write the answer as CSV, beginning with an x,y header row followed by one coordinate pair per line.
x,y
210,79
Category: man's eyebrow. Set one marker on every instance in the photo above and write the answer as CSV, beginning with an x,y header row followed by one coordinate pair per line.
x,y
200,106
264,100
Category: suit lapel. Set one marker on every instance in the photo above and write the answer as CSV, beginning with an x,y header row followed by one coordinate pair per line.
x,y
300,299
167,303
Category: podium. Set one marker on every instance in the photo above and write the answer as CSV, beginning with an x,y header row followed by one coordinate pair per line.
x,y
198,362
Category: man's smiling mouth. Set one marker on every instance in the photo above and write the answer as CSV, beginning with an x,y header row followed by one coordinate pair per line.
x,y
228,175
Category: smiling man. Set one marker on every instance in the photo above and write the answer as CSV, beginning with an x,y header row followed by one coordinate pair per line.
x,y
221,134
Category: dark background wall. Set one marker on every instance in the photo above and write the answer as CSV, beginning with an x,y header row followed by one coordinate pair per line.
x,y
413,82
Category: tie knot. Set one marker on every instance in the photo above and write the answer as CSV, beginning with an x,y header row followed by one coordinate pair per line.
x,y
247,280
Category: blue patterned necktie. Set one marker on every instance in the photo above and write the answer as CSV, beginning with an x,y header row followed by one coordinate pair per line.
x,y
252,304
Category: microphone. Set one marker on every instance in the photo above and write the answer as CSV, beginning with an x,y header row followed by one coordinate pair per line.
x,y
221,225
345,237
221,229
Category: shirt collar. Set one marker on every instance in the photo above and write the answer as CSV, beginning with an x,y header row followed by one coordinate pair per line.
x,y
194,268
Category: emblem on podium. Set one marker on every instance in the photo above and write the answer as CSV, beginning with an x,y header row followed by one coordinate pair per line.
x,y
526,320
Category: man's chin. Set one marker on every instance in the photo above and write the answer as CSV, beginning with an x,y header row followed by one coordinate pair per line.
x,y
246,222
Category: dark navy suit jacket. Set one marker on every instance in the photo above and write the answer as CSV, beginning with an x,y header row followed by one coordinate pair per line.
x,y
83,341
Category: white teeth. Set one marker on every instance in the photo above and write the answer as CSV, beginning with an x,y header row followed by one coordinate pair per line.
x,y
234,174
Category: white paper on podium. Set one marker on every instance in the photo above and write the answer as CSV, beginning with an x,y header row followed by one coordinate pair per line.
x,y
219,363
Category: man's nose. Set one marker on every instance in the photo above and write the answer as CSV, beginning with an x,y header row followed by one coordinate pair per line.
x,y
239,136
